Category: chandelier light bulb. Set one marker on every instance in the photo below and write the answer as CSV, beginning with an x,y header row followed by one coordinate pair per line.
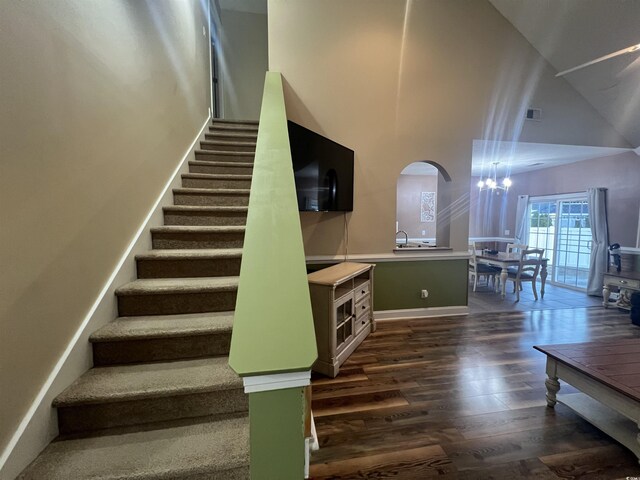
x,y
492,183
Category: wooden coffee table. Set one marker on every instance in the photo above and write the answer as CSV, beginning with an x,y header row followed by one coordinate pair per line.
x,y
608,375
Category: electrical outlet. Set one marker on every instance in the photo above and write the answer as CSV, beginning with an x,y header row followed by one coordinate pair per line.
x,y
507,232
424,232
424,293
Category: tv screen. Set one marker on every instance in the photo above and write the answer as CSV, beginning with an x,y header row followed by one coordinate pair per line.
x,y
323,171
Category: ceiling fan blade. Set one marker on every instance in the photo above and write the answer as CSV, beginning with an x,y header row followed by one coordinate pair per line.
x,y
631,49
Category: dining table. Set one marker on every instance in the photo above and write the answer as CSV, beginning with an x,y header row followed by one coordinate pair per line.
x,y
504,260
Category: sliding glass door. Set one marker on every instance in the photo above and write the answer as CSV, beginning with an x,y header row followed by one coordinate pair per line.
x,y
560,225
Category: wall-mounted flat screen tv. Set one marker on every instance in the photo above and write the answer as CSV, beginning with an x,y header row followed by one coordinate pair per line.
x,y
323,171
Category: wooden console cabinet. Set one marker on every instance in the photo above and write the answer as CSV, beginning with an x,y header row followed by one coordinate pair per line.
x,y
625,280
342,302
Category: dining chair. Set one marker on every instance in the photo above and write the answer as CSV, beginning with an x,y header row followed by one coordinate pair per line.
x,y
479,269
527,271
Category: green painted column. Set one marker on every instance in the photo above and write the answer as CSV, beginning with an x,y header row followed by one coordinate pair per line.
x,y
277,434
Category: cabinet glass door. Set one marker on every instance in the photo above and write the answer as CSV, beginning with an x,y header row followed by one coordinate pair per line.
x,y
344,323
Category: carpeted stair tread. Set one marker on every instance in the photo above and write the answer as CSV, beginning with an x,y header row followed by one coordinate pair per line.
x,y
163,326
217,176
233,127
201,163
200,253
198,208
149,380
229,143
212,191
212,449
223,152
233,121
231,135
197,229
161,286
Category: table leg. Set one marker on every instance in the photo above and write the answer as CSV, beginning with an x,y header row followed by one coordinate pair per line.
x,y
553,387
552,383
543,278
605,296
503,281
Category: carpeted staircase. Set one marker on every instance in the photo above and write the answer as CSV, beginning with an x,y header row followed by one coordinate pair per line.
x,y
161,401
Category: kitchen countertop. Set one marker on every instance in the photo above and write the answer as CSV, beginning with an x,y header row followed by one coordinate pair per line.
x,y
425,248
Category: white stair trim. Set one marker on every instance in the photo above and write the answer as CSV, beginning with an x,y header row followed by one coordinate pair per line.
x,y
278,381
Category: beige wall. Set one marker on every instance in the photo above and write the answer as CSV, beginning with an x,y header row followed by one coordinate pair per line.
x,y
99,101
408,198
244,63
400,82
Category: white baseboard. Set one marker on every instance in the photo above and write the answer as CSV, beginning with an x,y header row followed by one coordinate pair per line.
x,y
409,313
40,424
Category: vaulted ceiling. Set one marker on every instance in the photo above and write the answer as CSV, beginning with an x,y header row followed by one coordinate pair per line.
x,y
568,33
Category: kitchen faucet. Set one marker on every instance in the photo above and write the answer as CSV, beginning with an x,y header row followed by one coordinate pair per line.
x,y
406,237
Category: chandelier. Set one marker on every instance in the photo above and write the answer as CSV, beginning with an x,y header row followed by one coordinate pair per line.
x,y
491,182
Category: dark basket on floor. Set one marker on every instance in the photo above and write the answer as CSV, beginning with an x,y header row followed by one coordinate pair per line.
x,y
635,308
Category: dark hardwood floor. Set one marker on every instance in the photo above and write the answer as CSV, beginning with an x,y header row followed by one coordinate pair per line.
x,y
464,398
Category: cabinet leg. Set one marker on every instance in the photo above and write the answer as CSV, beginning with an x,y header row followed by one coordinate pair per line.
x,y
553,387
605,296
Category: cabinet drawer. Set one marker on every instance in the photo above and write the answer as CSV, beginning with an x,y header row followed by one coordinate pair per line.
x,y
362,321
362,290
622,282
363,305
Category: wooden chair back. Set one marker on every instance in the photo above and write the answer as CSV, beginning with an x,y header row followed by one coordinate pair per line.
x,y
530,263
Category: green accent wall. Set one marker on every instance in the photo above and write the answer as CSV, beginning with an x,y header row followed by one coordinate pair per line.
x,y
397,285
277,435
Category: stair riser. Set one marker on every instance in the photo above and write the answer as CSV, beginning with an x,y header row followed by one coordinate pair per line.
x,y
206,218
252,127
249,132
216,183
176,303
231,136
210,200
220,169
160,349
224,147
205,156
87,418
188,268
162,240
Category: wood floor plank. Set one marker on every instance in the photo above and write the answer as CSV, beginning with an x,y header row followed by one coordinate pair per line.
x,y
527,469
355,403
609,461
464,398
416,463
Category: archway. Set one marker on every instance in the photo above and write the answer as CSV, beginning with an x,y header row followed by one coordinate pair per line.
x,y
420,194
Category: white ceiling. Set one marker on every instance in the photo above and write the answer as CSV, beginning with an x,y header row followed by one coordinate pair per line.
x,y
523,157
514,158
568,33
